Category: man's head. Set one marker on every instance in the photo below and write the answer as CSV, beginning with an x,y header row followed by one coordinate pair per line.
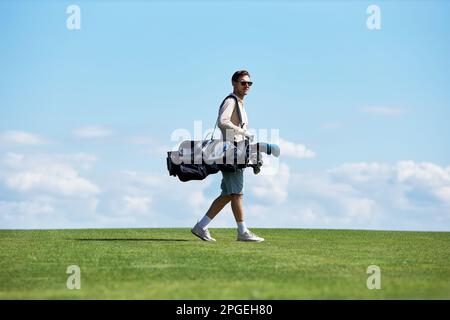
x,y
241,83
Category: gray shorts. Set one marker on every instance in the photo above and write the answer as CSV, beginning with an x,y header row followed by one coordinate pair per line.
x,y
232,182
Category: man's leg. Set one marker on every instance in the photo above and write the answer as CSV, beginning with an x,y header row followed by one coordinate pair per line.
x,y
238,211
217,206
237,207
200,229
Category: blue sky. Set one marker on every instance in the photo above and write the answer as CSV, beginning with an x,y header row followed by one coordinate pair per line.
x,y
86,115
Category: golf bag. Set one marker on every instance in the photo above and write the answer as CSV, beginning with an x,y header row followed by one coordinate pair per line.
x,y
195,160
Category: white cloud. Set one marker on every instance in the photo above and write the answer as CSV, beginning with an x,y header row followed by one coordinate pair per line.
x,y
405,196
60,179
359,207
168,201
196,198
27,207
271,188
43,211
92,132
427,181
48,174
56,191
30,213
47,191
425,173
141,179
16,160
363,172
443,193
425,177
384,111
135,204
335,203
22,138
295,150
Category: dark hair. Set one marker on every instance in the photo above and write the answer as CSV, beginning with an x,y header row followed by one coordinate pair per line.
x,y
239,74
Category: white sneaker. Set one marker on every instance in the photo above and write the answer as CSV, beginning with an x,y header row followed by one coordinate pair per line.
x,y
202,233
249,236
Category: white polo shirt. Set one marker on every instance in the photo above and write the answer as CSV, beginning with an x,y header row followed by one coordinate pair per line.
x,y
228,120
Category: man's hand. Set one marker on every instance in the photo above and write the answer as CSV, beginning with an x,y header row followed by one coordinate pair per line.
x,y
250,136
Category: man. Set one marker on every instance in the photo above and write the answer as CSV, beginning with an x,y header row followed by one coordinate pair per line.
x,y
232,183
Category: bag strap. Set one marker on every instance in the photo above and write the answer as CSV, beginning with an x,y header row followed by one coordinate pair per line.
x,y
238,111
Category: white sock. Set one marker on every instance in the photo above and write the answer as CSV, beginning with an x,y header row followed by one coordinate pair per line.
x,y
204,222
241,227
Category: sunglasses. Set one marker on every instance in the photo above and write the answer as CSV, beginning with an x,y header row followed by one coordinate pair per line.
x,y
243,83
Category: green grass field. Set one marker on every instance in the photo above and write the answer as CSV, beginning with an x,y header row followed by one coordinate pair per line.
x,y
173,264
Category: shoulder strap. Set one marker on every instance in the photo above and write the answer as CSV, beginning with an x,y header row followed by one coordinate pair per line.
x,y
238,111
